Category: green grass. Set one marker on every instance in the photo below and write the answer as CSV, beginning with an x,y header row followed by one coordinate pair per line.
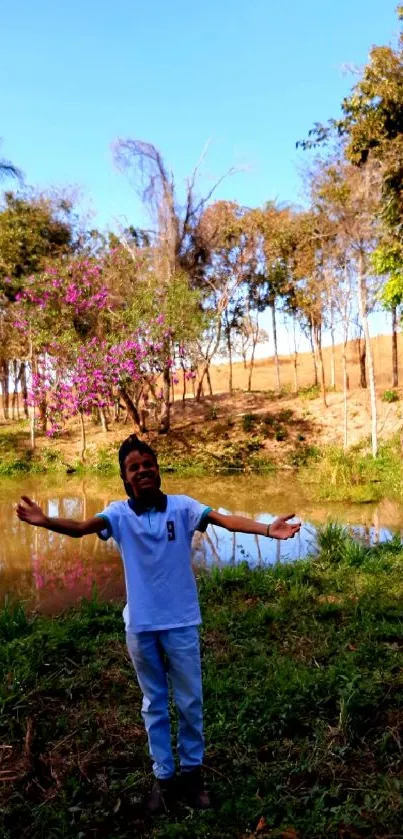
x,y
354,475
303,708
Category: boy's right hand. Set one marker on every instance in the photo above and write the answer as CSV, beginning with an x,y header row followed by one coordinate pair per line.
x,y
31,512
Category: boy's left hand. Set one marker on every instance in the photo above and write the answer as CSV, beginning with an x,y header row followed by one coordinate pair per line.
x,y
280,529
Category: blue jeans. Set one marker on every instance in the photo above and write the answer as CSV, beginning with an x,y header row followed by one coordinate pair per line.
x,y
157,655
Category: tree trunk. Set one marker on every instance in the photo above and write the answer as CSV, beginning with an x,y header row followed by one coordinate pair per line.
x,y
199,391
165,418
276,358
332,352
102,417
24,387
32,418
208,377
317,345
184,381
345,393
83,437
395,370
131,409
315,368
295,360
362,305
4,379
43,417
229,346
251,364
362,356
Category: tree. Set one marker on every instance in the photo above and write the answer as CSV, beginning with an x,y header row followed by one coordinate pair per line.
x,y
179,245
311,236
33,230
226,226
349,197
371,129
387,261
271,279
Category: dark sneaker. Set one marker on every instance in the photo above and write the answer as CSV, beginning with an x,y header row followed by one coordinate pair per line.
x,y
193,791
162,795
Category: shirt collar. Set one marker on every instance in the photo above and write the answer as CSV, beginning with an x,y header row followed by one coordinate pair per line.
x,y
160,504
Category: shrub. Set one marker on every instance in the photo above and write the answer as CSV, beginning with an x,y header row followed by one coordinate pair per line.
x,y
248,422
390,396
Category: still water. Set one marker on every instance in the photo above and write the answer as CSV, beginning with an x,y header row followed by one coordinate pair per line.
x,y
51,572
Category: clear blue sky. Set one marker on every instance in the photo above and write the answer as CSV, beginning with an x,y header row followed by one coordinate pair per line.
x,y
251,76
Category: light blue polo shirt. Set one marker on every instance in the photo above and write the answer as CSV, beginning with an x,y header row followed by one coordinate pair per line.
x,y
155,546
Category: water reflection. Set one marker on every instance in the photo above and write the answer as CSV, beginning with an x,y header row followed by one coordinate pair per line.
x,y
51,571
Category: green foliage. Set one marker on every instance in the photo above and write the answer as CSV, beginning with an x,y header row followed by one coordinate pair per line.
x,y
32,231
390,396
338,475
387,261
312,392
14,622
248,422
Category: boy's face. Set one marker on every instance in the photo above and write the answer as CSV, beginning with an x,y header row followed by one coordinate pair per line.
x,y
141,472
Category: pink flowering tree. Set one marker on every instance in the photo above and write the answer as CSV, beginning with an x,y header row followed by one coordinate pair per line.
x,y
65,314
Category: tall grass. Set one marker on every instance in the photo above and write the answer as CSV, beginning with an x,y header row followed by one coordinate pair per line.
x,y
354,475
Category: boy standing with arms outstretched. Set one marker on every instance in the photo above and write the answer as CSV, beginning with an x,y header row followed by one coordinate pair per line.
x,y
154,533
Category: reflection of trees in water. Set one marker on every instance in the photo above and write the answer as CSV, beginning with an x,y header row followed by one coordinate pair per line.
x,y
30,557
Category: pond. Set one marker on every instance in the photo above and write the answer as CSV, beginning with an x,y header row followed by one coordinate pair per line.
x,y
50,571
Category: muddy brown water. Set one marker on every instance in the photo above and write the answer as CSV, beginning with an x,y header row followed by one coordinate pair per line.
x,y
51,572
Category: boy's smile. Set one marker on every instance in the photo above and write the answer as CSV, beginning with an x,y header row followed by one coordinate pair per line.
x,y
142,474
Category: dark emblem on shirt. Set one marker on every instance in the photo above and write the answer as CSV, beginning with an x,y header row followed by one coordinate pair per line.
x,y
171,531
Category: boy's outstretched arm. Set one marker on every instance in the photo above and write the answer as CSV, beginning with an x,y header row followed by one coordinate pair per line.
x,y
277,529
31,513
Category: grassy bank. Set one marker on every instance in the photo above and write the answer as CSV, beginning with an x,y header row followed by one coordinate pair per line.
x,y
354,475
303,708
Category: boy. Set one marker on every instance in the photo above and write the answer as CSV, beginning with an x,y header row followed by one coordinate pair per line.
x,y
154,532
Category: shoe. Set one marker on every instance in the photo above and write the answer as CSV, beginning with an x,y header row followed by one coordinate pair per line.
x,y
162,795
193,790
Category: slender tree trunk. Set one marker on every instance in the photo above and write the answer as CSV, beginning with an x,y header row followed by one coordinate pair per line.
x,y
208,377
276,358
362,305
332,352
32,417
24,387
4,374
229,347
199,391
345,391
395,370
317,344
362,357
43,417
83,437
165,417
131,409
102,417
315,367
184,381
295,360
251,365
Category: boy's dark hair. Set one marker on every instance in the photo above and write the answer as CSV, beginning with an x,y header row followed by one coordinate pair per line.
x,y
133,444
